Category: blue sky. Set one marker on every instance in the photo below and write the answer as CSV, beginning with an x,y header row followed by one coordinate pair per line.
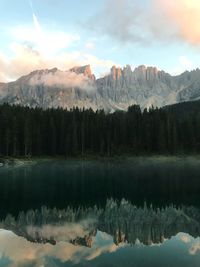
x,y
64,33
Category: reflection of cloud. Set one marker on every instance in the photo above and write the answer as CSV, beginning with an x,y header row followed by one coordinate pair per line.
x,y
185,238
195,248
21,252
103,243
67,232
193,244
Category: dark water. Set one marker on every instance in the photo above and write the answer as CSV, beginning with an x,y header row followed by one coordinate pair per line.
x,y
133,212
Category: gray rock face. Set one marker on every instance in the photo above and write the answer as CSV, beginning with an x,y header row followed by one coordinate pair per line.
x,y
78,87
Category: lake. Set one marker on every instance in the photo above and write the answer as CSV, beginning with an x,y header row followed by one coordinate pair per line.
x,y
139,212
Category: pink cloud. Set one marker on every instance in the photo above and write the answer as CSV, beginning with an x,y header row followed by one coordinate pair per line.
x,y
184,15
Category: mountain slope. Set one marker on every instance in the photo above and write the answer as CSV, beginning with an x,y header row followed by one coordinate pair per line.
x,y
121,88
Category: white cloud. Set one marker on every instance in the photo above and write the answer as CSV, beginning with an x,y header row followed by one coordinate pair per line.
x,y
36,47
3,67
46,41
63,79
184,63
26,59
90,45
99,66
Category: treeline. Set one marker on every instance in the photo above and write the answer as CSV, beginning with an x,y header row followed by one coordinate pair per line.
x,y
35,132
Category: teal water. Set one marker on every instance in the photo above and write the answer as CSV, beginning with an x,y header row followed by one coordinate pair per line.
x,y
72,212
160,181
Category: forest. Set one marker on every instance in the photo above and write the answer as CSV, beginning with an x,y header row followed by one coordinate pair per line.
x,y
31,132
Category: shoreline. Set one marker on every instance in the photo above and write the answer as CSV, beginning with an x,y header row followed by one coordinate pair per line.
x,y
11,161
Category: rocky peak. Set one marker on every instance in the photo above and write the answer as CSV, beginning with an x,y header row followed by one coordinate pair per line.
x,y
127,69
139,73
43,71
116,73
127,72
151,73
146,73
119,89
85,70
141,68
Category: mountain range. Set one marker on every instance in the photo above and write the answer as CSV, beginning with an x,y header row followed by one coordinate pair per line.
x,y
122,87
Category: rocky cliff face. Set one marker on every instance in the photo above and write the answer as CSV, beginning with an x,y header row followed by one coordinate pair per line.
x,y
85,70
121,88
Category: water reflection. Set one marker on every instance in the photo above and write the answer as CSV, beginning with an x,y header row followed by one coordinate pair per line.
x,y
183,250
92,224
58,183
119,235
125,222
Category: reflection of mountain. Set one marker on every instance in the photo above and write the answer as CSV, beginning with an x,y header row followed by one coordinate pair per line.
x,y
127,223
124,221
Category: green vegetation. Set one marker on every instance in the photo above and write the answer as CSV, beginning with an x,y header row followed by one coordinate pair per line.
x,y
56,132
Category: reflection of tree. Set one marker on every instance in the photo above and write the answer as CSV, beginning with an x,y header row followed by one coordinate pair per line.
x,y
124,221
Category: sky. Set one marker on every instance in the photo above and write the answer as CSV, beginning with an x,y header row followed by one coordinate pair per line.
x,y
37,34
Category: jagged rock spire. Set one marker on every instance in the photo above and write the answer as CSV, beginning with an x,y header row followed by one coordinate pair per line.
x,y
85,70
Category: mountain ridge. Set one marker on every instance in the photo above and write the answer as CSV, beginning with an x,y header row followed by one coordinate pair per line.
x,y
122,87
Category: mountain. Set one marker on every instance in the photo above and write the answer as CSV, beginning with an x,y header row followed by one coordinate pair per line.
x,y
121,88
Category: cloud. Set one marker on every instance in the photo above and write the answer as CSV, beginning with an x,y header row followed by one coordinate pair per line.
x,y
184,64
3,67
25,59
118,19
135,21
45,41
184,14
62,79
90,45
35,47
99,65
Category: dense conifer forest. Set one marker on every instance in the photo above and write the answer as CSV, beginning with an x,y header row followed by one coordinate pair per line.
x,y
29,132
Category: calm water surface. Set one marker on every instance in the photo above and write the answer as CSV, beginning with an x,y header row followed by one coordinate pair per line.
x,y
131,212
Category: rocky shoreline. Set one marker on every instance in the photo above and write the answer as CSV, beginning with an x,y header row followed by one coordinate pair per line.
x,y
13,162
7,162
